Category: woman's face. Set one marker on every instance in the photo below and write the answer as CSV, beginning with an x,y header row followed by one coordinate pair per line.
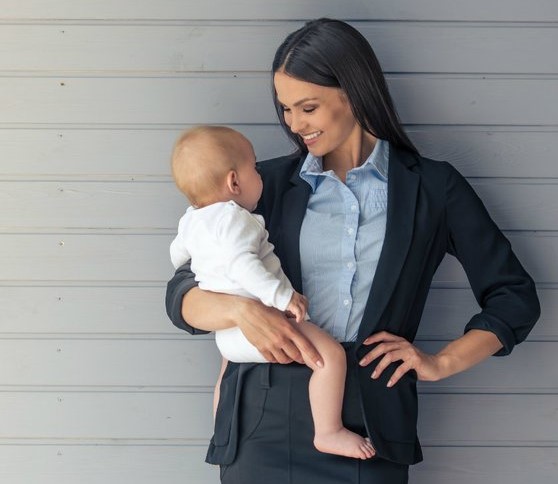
x,y
320,115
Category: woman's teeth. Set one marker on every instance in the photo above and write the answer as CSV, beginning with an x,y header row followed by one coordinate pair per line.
x,y
311,135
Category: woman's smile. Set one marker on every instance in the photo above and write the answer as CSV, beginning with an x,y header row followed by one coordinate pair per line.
x,y
311,138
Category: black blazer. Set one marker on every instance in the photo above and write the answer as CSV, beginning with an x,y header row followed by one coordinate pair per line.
x,y
432,210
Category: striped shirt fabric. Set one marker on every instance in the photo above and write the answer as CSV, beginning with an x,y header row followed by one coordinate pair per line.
x,y
341,239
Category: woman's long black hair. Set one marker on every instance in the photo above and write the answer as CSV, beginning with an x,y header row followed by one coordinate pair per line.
x,y
331,53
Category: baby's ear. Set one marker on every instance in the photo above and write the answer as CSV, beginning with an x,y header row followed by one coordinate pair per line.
x,y
232,182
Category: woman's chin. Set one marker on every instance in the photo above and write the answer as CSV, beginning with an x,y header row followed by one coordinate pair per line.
x,y
315,150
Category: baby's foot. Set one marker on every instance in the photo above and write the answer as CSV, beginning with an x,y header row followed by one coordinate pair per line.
x,y
346,443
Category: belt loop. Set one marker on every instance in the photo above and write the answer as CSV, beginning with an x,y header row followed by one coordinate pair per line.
x,y
265,369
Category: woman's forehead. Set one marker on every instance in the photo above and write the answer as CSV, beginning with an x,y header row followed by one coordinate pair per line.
x,y
293,91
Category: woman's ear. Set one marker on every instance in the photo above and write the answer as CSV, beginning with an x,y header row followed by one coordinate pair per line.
x,y
233,186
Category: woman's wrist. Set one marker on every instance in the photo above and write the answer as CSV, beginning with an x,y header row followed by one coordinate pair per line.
x,y
210,311
466,351
445,365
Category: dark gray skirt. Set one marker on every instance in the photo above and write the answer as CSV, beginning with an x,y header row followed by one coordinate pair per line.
x,y
275,434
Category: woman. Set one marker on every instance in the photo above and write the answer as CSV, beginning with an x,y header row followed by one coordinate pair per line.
x,y
360,222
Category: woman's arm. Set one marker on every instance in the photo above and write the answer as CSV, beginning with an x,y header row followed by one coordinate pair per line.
x,y
198,312
268,329
459,355
503,289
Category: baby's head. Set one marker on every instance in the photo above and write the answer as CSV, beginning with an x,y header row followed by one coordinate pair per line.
x,y
216,164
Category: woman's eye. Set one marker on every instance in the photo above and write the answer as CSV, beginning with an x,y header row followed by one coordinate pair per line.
x,y
285,109
309,110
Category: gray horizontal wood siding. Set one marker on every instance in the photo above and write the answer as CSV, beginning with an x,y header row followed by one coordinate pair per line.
x,y
97,386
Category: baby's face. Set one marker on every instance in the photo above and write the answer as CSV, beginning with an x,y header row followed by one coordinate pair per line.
x,y
249,179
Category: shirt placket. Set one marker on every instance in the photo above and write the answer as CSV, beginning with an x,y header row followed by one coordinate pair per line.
x,y
348,261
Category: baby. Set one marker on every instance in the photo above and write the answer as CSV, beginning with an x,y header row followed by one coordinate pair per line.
x,y
215,167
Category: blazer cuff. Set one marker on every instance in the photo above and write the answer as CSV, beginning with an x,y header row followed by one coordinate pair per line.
x,y
175,293
486,322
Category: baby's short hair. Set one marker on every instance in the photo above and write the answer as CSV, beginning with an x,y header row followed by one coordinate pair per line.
x,y
201,159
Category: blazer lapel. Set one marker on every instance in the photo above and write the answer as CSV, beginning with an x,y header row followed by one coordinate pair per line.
x,y
295,201
403,187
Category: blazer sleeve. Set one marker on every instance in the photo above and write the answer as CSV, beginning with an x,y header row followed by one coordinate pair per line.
x,y
182,281
503,289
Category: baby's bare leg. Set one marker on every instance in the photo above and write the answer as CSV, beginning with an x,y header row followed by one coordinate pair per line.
x,y
217,392
326,391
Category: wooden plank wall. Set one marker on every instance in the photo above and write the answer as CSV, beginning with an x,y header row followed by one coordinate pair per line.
x,y
96,386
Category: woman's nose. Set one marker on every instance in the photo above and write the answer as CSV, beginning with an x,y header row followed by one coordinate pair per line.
x,y
295,125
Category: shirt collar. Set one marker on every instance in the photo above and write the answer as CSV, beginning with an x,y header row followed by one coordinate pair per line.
x,y
377,161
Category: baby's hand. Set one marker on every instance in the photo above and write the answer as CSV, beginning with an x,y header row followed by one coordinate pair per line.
x,y
297,307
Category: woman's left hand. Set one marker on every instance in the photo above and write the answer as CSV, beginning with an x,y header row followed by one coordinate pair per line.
x,y
395,348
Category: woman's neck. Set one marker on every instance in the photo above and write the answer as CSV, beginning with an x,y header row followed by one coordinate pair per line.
x,y
352,154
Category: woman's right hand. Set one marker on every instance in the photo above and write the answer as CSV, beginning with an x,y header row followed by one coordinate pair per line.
x,y
276,337
268,329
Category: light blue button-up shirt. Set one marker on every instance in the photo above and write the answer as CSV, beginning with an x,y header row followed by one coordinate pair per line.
x,y
341,239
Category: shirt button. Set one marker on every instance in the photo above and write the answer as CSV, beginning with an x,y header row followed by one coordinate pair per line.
x,y
350,231
353,208
346,302
350,265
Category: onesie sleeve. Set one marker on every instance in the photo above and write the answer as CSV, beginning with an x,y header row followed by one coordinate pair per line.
x,y
245,241
178,252
505,292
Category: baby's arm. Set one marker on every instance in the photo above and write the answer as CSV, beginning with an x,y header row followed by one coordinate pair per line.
x,y
241,237
178,253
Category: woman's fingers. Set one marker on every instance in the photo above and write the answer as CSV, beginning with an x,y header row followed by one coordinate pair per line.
x,y
276,352
382,336
387,360
281,357
391,348
278,339
297,347
268,355
379,351
306,348
397,374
